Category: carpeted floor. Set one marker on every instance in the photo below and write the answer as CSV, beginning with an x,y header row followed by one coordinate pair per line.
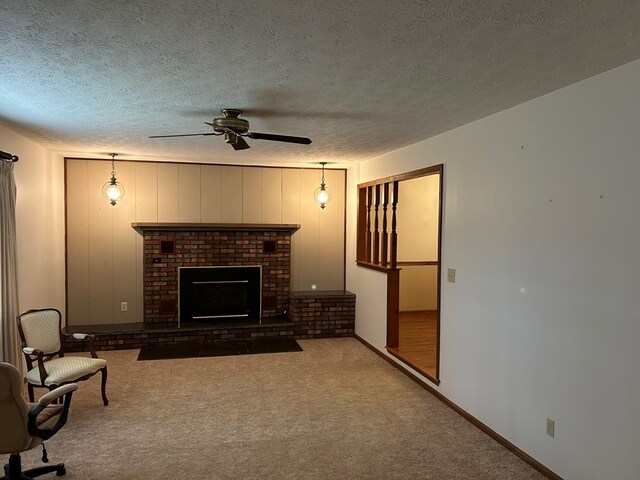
x,y
333,411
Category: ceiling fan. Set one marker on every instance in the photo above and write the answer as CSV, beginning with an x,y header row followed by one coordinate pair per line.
x,y
234,129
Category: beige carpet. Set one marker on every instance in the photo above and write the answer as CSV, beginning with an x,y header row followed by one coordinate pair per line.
x,y
333,411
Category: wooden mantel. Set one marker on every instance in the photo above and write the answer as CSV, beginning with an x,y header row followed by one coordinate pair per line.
x,y
141,227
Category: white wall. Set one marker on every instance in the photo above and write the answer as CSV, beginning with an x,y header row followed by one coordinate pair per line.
x,y
417,227
417,218
418,288
39,176
541,223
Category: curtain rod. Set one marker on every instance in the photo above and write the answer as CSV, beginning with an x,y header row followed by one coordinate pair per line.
x,y
7,156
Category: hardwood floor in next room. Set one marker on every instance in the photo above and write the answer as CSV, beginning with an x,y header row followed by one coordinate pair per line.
x,y
418,339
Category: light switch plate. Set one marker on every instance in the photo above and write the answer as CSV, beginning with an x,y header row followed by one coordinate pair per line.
x,y
451,275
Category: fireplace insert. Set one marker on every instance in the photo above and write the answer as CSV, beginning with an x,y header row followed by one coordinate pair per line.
x,y
219,292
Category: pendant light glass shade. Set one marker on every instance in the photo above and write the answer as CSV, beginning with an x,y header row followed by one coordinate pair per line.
x,y
113,190
322,194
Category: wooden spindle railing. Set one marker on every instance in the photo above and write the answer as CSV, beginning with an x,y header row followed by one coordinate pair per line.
x,y
377,245
377,240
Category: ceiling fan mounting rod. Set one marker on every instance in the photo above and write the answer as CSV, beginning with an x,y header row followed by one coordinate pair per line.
x,y
231,112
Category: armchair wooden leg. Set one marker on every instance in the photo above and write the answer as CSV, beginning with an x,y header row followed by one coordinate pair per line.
x,y
31,396
104,387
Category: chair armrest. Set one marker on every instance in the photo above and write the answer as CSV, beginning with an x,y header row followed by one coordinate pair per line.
x,y
67,392
87,337
56,393
32,351
39,354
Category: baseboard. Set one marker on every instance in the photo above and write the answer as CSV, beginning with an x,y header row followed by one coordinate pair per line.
x,y
492,433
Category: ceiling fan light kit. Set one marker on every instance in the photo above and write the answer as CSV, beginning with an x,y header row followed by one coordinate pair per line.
x,y
235,129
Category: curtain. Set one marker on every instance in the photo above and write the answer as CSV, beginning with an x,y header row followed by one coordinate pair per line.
x,y
9,346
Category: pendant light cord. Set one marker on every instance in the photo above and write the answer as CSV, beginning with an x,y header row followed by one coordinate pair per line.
x,y
322,184
113,164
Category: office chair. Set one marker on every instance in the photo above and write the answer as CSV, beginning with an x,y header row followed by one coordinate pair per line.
x,y
26,426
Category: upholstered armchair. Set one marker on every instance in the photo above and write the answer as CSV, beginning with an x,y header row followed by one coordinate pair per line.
x,y
43,347
26,426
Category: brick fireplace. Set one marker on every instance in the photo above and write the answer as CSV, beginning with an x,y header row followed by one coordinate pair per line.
x,y
169,246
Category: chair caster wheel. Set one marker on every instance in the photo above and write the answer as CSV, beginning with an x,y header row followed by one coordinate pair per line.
x,y
61,471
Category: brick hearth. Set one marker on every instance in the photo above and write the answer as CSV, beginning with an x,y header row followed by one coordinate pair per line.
x,y
314,314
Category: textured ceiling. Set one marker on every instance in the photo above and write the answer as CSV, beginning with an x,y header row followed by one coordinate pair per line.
x,y
360,78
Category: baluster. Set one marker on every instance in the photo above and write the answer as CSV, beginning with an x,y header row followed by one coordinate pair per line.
x,y
369,203
376,232
394,234
385,235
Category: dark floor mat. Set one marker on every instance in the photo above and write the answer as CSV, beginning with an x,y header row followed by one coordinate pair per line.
x,y
219,349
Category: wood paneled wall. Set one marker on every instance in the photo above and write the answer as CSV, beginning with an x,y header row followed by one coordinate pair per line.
x,y
104,254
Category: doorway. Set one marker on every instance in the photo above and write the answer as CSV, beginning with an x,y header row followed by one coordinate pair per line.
x,y
399,233
418,259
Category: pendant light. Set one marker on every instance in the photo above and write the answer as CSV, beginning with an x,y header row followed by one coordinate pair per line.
x,y
113,189
322,193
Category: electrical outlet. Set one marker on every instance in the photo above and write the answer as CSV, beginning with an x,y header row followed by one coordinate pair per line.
x,y
551,427
124,306
451,275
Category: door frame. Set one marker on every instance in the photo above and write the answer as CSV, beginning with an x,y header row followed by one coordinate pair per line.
x,y
364,257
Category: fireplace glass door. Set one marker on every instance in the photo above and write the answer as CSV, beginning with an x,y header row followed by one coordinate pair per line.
x,y
210,293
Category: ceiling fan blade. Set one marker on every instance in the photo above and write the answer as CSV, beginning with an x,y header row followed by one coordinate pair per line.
x,y
240,144
183,135
279,138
